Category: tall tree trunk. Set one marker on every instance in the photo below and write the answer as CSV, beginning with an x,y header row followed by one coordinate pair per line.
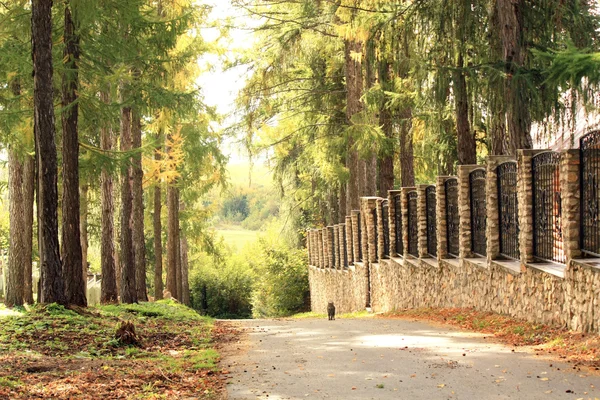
x,y
185,267
15,282
510,15
52,286
172,238
108,285
497,107
354,86
386,162
127,288
83,228
179,268
75,290
342,203
407,157
157,226
466,139
28,198
139,240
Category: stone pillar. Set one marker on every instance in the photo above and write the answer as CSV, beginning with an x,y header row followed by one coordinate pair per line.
x,y
380,230
440,207
422,217
492,203
525,200
404,197
354,216
309,247
464,210
392,221
321,246
330,248
570,202
349,240
368,205
364,243
336,247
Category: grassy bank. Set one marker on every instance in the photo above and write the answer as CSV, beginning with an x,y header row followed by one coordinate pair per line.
x,y
52,352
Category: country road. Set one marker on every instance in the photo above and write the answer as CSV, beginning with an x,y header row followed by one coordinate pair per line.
x,y
376,358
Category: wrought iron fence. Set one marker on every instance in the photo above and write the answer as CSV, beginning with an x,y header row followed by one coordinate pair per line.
x,y
477,184
376,232
452,217
413,225
385,220
508,215
547,210
398,227
360,252
430,203
590,193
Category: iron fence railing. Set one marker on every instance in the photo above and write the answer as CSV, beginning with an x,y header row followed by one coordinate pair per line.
x,y
590,193
508,209
398,225
359,234
452,216
477,182
547,209
376,233
413,225
385,220
430,206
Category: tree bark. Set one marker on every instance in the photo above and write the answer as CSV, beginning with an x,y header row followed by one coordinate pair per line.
x,y
386,162
15,282
407,158
157,226
172,238
510,18
185,284
354,85
28,198
52,283
139,240
466,139
128,287
108,285
83,228
75,289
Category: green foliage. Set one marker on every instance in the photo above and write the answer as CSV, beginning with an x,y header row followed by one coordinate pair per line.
x,y
283,285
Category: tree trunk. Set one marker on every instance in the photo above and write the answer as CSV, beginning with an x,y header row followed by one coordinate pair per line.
x,y
127,288
71,238
172,238
15,282
83,228
466,139
386,163
139,240
342,203
407,158
52,284
108,285
510,15
354,85
157,225
185,267
28,198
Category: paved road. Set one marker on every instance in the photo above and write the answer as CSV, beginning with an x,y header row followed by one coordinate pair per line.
x,y
374,358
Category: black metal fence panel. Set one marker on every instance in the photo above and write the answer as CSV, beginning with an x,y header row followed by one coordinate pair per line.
x,y
547,210
430,205
385,218
477,182
590,193
398,220
360,252
413,225
376,232
452,216
508,211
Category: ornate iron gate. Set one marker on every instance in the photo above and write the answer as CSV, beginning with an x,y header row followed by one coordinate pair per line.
x,y
398,220
413,225
376,232
452,217
385,219
478,211
547,209
431,221
590,193
508,215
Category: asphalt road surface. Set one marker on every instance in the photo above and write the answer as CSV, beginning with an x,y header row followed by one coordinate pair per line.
x,y
376,358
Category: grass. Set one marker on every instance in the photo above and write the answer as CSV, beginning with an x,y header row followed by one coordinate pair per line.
x,y
238,238
64,353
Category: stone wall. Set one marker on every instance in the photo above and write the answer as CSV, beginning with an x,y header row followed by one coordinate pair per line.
x,y
529,288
